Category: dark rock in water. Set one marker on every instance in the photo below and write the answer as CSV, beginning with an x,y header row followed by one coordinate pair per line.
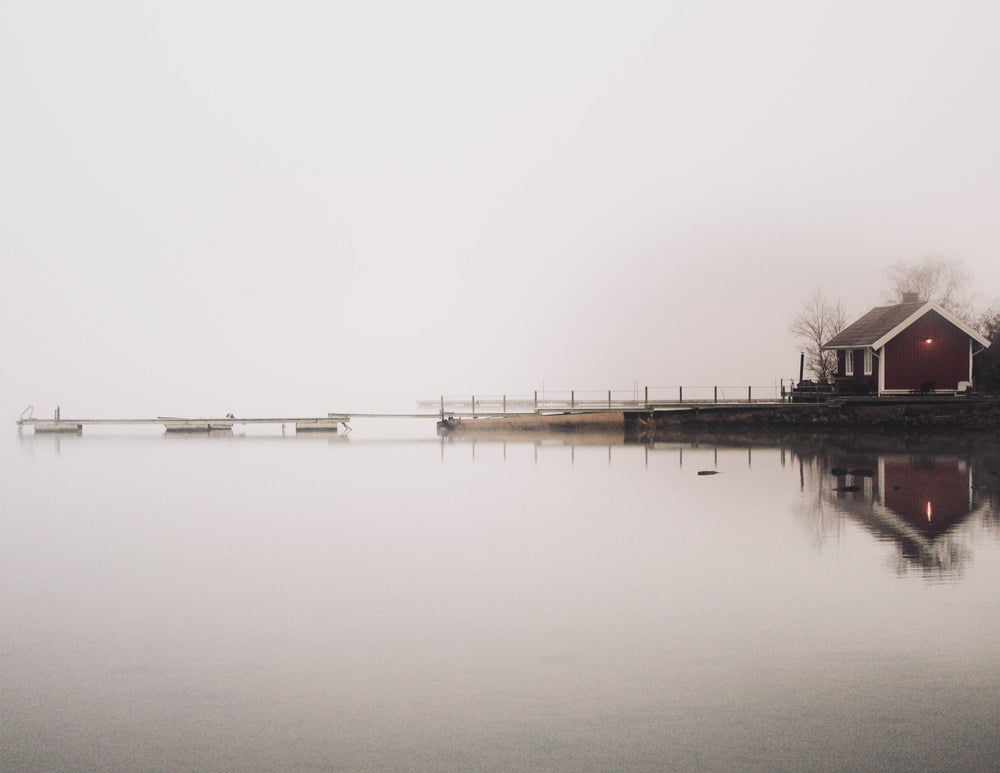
x,y
863,472
838,471
708,472
848,488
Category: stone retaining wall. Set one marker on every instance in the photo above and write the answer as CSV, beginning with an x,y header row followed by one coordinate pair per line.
x,y
928,415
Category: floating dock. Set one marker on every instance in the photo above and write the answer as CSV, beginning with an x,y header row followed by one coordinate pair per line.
x,y
176,424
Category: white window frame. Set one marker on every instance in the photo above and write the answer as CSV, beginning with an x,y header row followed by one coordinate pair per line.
x,y
848,362
868,362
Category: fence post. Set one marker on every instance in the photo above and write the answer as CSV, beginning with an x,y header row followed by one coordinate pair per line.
x,y
536,401
716,398
646,401
442,406
609,399
680,394
749,398
473,406
505,405
572,399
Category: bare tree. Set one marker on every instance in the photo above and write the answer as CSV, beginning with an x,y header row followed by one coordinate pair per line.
x,y
986,365
945,281
817,321
987,319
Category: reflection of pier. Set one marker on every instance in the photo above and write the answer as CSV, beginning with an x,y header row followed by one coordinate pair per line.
x,y
917,493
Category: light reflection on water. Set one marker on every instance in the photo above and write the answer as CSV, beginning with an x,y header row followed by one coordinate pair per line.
x,y
313,603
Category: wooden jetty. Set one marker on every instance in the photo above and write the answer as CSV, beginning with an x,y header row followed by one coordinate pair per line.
x,y
572,409
569,409
638,412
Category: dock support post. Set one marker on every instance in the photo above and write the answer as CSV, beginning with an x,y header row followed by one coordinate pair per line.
x,y
609,399
716,398
680,394
505,408
473,406
646,399
536,401
442,407
749,398
572,399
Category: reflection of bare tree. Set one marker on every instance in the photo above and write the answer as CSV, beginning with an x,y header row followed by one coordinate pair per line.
x,y
819,518
986,472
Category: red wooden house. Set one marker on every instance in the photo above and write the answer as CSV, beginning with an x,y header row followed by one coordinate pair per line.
x,y
912,347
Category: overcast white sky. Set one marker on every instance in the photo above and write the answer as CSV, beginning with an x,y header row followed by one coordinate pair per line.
x,y
301,207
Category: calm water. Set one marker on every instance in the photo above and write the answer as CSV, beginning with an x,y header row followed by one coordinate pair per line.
x,y
276,603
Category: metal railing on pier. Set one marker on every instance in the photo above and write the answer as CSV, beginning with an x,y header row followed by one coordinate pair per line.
x,y
649,397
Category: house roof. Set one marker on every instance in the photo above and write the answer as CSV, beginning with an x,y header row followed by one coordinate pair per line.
x,y
883,323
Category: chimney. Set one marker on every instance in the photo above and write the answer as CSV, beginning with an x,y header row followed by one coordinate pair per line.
x,y
911,298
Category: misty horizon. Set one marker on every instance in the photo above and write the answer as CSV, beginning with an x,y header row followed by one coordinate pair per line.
x,y
214,207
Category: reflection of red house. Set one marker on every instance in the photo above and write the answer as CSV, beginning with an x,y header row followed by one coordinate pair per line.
x,y
914,501
932,495
913,346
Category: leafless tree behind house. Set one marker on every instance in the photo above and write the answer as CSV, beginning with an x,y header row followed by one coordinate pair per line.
x,y
945,281
817,321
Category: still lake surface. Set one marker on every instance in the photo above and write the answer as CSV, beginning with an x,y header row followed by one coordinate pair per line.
x,y
394,601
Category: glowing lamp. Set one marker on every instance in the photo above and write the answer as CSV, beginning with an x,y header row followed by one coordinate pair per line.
x,y
928,340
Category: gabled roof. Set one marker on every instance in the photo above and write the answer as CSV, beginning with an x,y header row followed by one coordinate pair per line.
x,y
883,323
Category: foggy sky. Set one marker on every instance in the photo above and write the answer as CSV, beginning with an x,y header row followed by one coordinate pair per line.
x,y
307,207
